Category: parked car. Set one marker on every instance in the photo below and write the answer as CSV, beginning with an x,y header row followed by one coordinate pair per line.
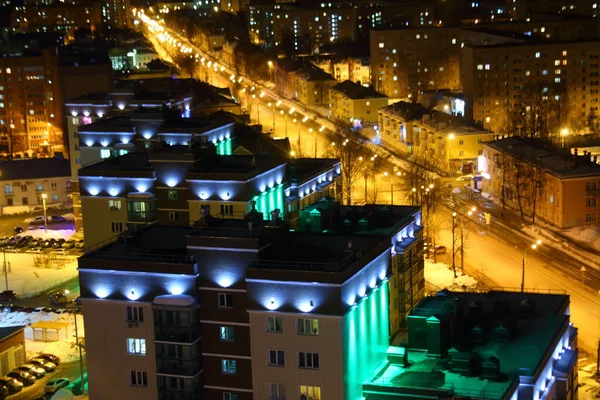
x,y
33,370
69,244
18,230
4,392
13,385
56,383
48,366
22,376
60,251
42,309
80,244
36,221
35,250
58,244
50,357
7,295
27,310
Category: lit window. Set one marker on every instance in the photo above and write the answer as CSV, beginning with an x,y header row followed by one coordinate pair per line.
x,y
310,392
564,53
173,194
381,45
479,67
104,153
114,205
453,41
545,72
487,67
227,333
556,80
136,347
8,71
228,366
538,55
308,326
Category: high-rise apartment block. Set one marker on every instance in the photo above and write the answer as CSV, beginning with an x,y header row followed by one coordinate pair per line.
x,y
247,308
59,16
30,103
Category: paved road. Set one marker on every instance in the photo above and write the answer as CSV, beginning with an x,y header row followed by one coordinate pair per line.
x,y
9,222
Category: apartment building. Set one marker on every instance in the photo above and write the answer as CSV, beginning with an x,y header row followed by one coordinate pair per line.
x,y
447,142
12,348
560,187
494,78
25,181
407,61
116,14
496,328
355,104
310,320
58,16
30,103
311,86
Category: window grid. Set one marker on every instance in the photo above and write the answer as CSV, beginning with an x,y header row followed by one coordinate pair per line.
x,y
225,300
308,326
139,378
136,347
275,324
228,366
135,314
276,358
308,360
227,333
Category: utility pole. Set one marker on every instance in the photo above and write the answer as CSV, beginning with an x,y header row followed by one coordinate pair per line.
x,y
462,246
453,243
79,346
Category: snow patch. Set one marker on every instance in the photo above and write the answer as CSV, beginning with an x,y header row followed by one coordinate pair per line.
x,y
181,300
51,234
441,276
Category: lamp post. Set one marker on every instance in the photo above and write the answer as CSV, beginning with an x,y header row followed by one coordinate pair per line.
x,y
285,117
45,217
453,243
563,133
392,184
532,247
270,64
413,194
462,239
79,346
450,139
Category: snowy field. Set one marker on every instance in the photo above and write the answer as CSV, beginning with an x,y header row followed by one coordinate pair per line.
x,y
440,276
65,348
27,280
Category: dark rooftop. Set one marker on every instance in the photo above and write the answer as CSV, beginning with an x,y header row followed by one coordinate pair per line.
x,y
555,161
355,91
9,331
112,123
34,168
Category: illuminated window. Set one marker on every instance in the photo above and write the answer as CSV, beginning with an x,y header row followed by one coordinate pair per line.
x,y
136,347
225,300
173,194
310,392
275,324
308,326
381,45
479,67
8,71
114,205
228,366
538,55
227,333
104,153
564,53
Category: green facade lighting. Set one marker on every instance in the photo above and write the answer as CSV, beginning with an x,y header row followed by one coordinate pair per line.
x,y
366,339
225,147
270,200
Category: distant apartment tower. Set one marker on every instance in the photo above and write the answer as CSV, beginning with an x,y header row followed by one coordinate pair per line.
x,y
60,17
494,78
302,314
116,13
30,103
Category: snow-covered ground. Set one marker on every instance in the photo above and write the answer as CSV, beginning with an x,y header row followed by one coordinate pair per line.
x,y
587,235
65,348
440,276
27,280
590,388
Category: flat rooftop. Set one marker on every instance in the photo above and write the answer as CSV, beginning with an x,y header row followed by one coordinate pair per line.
x,y
530,342
555,161
112,124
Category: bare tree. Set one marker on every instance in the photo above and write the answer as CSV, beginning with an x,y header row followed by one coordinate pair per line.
x,y
353,157
537,181
504,164
519,182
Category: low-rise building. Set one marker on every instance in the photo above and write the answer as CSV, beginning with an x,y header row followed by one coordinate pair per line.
x,y
561,188
311,86
12,348
445,142
25,181
352,103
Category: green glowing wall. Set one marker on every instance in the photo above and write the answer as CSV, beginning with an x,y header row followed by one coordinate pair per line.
x,y
225,148
269,200
366,340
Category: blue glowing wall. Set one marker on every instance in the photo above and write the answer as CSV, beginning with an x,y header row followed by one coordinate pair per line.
x,y
365,339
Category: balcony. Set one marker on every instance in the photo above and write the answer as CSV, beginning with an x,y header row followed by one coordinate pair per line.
x,y
141,216
178,366
177,334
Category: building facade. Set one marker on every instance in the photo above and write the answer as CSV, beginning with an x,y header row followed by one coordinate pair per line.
x,y
445,142
355,104
561,188
311,86
24,182
31,105
12,348
277,321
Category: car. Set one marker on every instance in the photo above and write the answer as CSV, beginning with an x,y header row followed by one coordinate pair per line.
x,y
69,244
48,366
56,383
35,250
55,219
33,370
60,251
24,377
79,245
27,310
36,221
465,178
42,309
440,250
4,392
13,385
18,230
11,249
50,357
7,295
58,244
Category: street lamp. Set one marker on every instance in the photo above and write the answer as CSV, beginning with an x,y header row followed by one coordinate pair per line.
x,y
285,117
563,133
414,191
532,247
44,195
450,139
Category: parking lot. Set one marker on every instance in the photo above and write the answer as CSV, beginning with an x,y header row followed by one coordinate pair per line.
x,y
24,243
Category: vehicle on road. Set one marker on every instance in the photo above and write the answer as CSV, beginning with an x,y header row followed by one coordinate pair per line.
x,y
48,366
56,383
39,220
465,178
24,377
13,385
50,357
65,297
7,295
60,251
33,370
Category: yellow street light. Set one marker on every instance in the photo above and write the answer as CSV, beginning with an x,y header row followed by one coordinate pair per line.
x,y
532,247
44,196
